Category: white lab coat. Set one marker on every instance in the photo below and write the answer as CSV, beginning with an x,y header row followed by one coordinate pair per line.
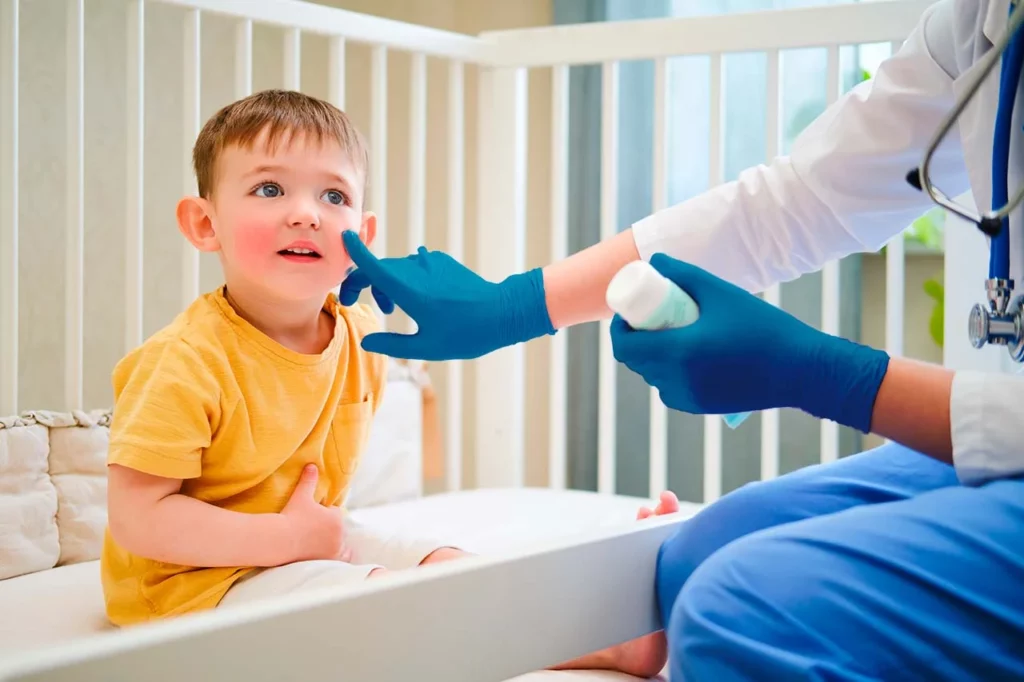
x,y
842,190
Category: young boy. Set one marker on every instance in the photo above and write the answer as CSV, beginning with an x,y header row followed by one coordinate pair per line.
x,y
238,427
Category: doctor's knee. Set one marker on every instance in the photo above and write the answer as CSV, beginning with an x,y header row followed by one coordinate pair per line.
x,y
743,511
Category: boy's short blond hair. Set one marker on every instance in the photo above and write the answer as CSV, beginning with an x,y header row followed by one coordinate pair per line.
x,y
279,112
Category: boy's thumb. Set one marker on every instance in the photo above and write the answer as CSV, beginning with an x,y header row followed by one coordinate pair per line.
x,y
307,481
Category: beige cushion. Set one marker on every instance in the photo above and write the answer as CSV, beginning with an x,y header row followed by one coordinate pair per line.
x,y
78,467
52,489
28,500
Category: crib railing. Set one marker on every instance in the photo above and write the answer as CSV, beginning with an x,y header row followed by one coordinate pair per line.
x,y
498,228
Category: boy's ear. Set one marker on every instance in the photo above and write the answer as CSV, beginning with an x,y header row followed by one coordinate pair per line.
x,y
194,222
368,228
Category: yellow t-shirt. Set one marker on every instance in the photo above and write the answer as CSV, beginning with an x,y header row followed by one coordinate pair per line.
x,y
213,401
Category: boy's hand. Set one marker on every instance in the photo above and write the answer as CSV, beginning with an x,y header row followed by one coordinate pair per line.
x,y
317,531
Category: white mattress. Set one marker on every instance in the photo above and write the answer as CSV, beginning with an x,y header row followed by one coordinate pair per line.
x,y
45,608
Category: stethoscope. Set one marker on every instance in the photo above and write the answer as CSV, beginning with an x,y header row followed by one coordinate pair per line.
x,y
1001,321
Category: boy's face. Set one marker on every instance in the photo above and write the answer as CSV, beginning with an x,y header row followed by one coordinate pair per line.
x,y
276,219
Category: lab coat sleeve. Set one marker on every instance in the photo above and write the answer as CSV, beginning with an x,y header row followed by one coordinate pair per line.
x,y
986,427
841,190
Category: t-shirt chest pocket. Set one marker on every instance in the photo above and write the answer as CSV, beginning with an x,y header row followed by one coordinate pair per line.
x,y
350,430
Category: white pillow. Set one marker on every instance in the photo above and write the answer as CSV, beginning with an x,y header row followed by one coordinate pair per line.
x,y
391,469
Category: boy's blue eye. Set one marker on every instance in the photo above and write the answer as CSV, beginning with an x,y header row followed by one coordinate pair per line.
x,y
334,196
269,189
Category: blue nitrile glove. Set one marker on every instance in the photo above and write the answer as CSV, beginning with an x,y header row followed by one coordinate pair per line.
x,y
459,314
744,354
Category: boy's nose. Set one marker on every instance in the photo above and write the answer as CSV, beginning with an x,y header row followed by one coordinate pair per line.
x,y
311,222
304,217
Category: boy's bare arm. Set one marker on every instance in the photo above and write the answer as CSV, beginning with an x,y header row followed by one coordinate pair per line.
x,y
150,518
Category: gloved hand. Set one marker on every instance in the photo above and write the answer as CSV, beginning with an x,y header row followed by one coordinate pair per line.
x,y
744,354
459,314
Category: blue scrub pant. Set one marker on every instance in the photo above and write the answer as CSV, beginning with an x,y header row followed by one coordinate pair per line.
x,y
880,566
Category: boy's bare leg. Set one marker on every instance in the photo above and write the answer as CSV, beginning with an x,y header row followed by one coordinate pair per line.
x,y
642,657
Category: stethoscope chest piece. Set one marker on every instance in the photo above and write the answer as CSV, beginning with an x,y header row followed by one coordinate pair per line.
x,y
1001,322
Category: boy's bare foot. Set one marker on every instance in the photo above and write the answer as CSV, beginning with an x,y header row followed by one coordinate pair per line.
x,y
668,503
642,657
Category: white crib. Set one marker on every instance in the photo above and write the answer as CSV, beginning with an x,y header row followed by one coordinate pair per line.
x,y
489,618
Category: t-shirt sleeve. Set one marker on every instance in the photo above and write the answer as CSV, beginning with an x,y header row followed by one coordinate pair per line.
x,y
166,404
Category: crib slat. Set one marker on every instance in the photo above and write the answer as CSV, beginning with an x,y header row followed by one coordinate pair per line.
x,y
501,251
378,194
895,282
558,350
9,86
716,175
190,98
336,73
609,222
292,59
417,194
243,58
417,148
456,222
658,466
379,144
135,139
73,300
830,275
773,137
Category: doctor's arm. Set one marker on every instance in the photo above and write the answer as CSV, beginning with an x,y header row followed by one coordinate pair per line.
x,y
912,407
969,419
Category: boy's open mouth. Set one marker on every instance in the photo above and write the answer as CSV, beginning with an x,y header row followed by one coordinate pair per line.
x,y
297,253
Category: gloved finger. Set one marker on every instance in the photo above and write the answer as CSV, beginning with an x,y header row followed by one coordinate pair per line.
x,y
386,305
401,346
630,346
352,287
620,332
376,270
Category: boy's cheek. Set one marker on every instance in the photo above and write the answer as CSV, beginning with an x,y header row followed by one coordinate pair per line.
x,y
254,243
